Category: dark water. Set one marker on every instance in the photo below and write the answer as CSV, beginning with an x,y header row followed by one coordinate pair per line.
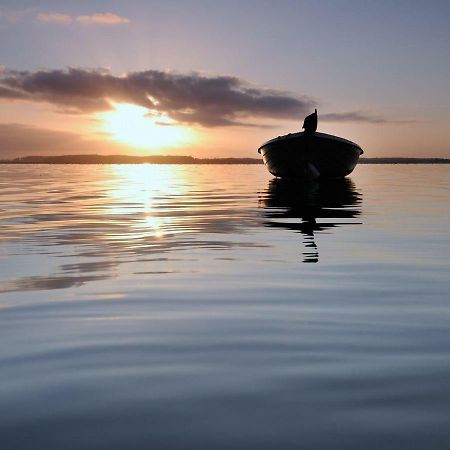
x,y
211,307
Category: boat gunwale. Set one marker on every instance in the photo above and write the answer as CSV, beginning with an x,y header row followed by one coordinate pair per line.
x,y
286,137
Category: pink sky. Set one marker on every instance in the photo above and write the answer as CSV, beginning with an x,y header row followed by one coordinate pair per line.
x,y
191,79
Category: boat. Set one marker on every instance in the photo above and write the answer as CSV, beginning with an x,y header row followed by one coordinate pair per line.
x,y
310,155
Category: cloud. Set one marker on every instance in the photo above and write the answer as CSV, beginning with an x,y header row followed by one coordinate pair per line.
x,y
59,18
13,15
359,116
352,116
193,98
106,18
7,93
54,18
23,140
186,98
102,19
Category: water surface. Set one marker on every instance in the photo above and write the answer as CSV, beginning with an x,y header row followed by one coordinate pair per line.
x,y
187,307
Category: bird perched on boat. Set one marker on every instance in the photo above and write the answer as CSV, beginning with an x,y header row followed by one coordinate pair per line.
x,y
310,123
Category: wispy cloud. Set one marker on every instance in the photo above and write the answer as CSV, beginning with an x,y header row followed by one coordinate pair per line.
x,y
359,116
53,18
102,19
19,139
25,139
106,18
14,15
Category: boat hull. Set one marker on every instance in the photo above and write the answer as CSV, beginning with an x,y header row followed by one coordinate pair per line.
x,y
310,156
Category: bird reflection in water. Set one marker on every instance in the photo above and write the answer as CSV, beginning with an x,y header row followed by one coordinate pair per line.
x,y
319,206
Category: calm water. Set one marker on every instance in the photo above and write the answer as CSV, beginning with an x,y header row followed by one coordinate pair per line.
x,y
212,307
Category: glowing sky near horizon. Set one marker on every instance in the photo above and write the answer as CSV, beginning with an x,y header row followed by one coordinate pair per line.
x,y
377,72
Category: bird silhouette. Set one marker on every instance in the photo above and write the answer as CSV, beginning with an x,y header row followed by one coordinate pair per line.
x,y
310,123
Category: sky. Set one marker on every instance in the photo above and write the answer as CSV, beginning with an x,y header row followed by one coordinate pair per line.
x,y
217,79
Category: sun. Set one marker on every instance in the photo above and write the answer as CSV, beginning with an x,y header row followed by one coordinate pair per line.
x,y
137,127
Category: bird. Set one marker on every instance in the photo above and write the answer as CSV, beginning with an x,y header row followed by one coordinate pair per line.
x,y
310,123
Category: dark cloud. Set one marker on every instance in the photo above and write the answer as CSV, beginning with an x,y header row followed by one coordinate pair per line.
x,y
187,98
11,93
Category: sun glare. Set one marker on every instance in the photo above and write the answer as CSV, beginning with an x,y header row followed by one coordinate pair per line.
x,y
133,125
138,194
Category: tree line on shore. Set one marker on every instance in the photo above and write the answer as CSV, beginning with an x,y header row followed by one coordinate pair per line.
x,y
180,159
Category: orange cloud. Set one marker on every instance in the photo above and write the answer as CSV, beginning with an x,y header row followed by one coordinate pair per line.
x,y
102,19
54,18
93,19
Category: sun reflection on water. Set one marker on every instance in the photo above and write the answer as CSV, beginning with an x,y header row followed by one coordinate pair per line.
x,y
91,223
136,191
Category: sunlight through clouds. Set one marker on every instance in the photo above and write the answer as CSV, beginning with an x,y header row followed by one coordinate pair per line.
x,y
133,125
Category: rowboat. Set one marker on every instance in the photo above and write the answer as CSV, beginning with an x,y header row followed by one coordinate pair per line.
x,y
310,156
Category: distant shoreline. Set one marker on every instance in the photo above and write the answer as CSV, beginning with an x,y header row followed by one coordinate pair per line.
x,y
173,159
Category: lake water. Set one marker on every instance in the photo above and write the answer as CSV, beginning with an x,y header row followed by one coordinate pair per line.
x,y
213,307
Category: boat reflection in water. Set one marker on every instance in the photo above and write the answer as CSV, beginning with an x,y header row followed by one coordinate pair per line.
x,y
311,207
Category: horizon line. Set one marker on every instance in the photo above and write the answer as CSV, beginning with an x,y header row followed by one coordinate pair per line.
x,y
187,159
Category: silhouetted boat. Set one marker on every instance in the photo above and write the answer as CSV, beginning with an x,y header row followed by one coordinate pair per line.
x,y
310,156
